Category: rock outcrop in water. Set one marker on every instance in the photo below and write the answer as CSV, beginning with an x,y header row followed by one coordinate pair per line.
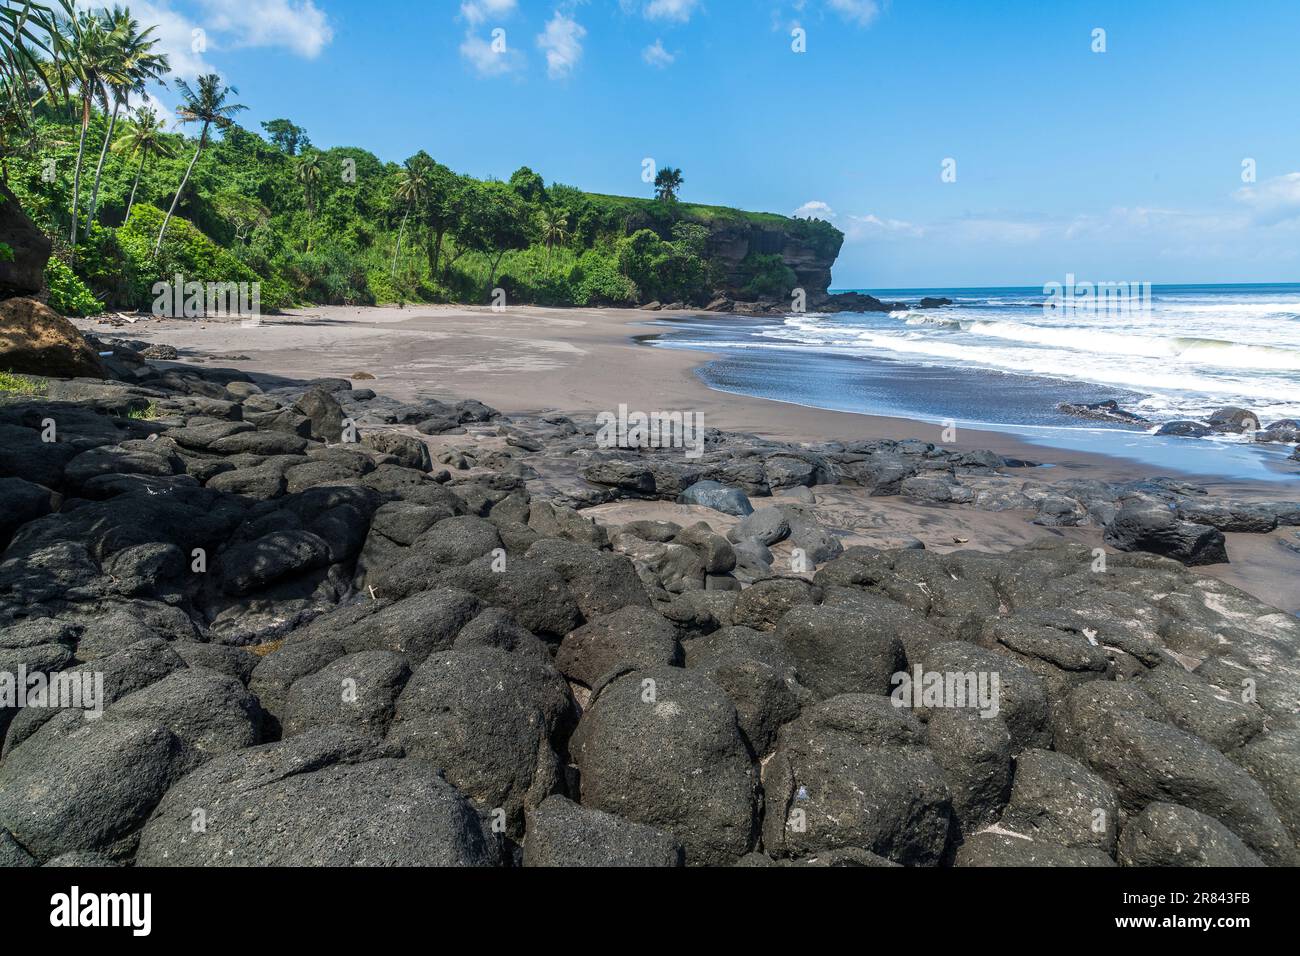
x,y
344,653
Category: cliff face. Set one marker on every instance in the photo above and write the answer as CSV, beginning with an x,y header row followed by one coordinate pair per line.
x,y
808,249
22,269
742,244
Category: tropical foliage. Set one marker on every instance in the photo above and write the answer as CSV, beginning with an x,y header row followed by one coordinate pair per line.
x,y
130,202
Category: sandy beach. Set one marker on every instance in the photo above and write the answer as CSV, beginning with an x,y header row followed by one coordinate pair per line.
x,y
584,361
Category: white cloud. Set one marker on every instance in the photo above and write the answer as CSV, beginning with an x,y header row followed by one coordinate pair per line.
x,y
861,12
1007,231
174,33
815,209
678,10
487,60
656,55
1125,222
871,226
297,25
562,43
478,11
1274,200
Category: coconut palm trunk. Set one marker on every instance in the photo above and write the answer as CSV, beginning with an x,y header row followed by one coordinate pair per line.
x,y
400,232
203,139
131,202
76,175
99,168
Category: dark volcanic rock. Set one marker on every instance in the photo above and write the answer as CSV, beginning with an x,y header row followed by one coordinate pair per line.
x,y
840,651
211,714
633,637
1184,429
1055,799
1165,834
1148,761
991,848
1286,430
767,526
766,602
409,451
719,497
414,627
324,412
81,784
975,754
20,502
367,809
22,273
487,718
852,772
358,691
246,567
12,855
601,582
1145,524
1108,411
1233,419
661,747
563,833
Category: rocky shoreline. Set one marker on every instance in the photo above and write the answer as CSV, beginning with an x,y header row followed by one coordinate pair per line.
x,y
337,629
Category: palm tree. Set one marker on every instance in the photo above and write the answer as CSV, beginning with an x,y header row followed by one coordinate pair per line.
x,y
26,33
145,137
308,172
137,65
24,37
208,106
555,228
667,182
412,187
90,62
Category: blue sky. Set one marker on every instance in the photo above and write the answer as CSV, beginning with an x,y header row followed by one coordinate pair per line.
x,y
1123,164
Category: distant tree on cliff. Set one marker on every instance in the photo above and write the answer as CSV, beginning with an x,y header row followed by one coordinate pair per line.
x,y
528,184
667,182
288,136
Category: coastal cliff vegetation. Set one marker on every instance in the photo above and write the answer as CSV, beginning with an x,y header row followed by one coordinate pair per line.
x,y
130,198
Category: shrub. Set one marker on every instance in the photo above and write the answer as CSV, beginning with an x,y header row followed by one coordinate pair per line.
x,y
68,294
766,276
596,280
668,271
187,251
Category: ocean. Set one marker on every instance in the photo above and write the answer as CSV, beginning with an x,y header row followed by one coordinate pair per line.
x,y
1004,358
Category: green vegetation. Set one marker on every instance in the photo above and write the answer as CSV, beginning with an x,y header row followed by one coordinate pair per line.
x,y
11,384
130,204
149,413
68,294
